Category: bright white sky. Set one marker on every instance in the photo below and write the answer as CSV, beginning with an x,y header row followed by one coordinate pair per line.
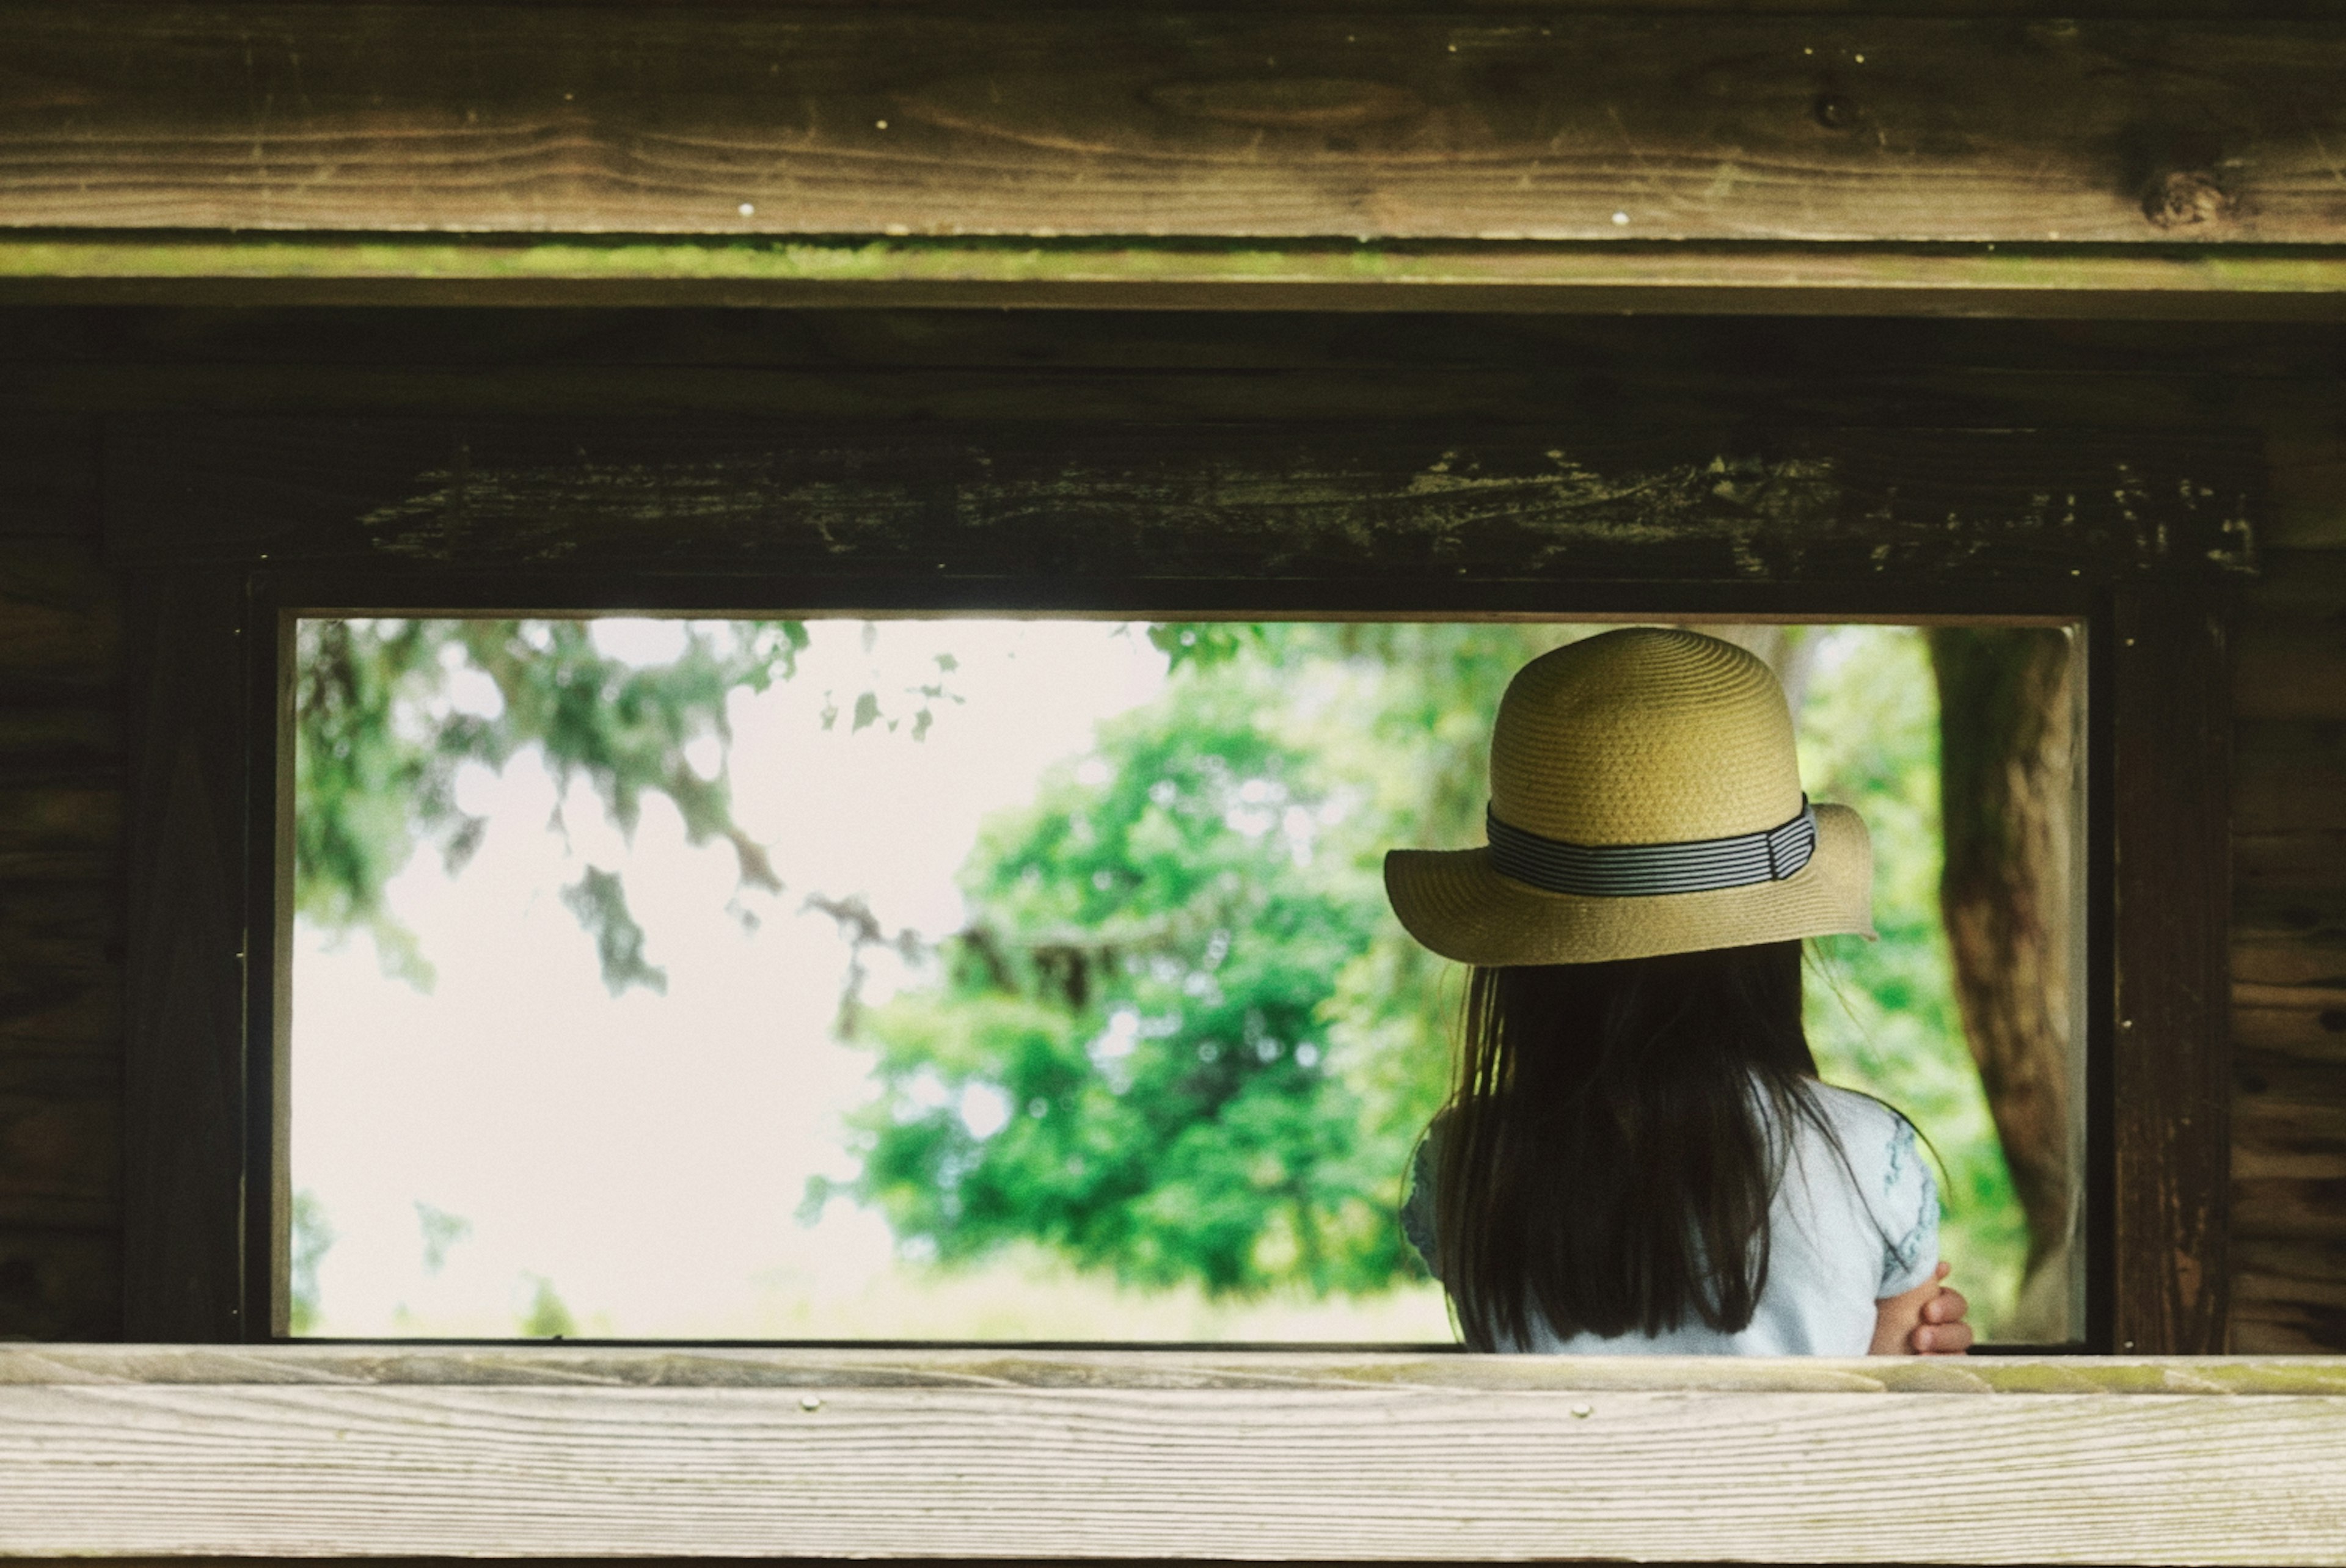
x,y
648,1155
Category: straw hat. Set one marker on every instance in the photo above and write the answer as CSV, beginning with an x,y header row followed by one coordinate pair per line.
x,y
1645,798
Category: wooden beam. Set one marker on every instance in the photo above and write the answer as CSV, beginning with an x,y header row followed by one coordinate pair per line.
x,y
1410,506
1334,158
538,1452
2207,283
185,1092
2169,1040
709,119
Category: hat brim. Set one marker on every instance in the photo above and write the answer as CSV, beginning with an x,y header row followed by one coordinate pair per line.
x,y
1453,903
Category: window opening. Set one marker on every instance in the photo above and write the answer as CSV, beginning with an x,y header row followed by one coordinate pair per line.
x,y
1031,979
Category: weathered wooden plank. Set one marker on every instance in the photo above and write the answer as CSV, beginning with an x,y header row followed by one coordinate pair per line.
x,y
60,1283
1682,278
48,476
60,1141
2290,1102
1188,1370
2122,372
184,1090
53,819
2308,1208
1400,1471
2313,1028
2288,1328
46,926
1301,501
2314,915
2279,1264
47,743
2291,669
69,1011
2253,1161
2309,493
2275,791
1592,387
59,616
2288,942
2286,865
2170,1081
718,120
1594,393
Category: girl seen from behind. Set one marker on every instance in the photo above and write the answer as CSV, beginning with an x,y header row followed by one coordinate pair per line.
x,y
1636,1156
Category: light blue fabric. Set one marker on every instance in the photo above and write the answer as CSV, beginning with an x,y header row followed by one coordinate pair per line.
x,y
1836,1247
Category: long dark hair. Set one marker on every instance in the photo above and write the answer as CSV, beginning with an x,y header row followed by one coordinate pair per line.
x,y
1613,1137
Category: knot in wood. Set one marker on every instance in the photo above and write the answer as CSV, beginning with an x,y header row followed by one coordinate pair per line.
x,y
1833,111
2181,198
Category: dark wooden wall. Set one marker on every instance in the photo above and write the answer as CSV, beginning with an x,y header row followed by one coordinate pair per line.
x,y
70,380
2289,907
61,890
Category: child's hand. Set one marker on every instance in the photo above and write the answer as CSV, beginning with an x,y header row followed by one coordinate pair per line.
x,y
1927,1321
1942,1331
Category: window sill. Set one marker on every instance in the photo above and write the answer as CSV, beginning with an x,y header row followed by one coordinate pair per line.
x,y
547,1451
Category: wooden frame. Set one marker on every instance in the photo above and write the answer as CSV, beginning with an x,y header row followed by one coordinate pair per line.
x,y
244,153
551,1452
228,520
1334,158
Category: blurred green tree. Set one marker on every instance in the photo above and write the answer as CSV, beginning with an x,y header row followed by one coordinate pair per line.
x,y
388,711
549,1317
313,1237
1180,1038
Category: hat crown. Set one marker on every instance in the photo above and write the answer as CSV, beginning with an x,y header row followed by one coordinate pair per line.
x,y
1647,735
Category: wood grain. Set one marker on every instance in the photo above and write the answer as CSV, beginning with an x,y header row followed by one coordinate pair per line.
x,y
2307,1021
720,120
2294,669
2113,372
48,473
2170,1070
1300,500
2290,1295
2308,492
439,1363
60,1282
1724,278
1379,1463
184,1086
60,1142
2288,962
61,917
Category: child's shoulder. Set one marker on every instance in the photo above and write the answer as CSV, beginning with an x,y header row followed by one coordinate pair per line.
x,y
1852,1111
1874,1136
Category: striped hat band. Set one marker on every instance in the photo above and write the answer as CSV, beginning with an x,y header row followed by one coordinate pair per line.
x,y
1642,871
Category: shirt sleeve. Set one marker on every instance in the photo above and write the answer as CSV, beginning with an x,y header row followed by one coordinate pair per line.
x,y
1908,1208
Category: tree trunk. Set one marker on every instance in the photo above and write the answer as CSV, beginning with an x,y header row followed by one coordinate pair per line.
x,y
2006,719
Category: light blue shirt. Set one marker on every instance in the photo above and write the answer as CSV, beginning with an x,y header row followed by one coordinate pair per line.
x,y
1835,1245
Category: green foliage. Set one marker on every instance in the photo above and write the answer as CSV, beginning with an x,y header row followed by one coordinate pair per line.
x,y
313,1236
442,1230
388,711
1127,1060
547,1317
600,901
1181,1039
